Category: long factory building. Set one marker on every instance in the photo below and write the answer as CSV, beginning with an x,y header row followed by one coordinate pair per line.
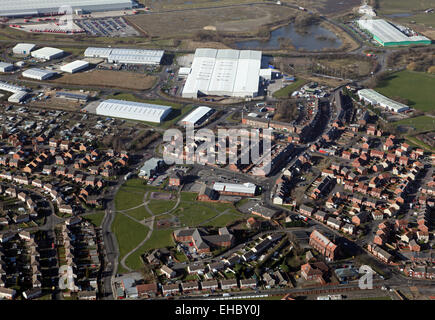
x,y
133,110
24,8
226,72
375,98
126,56
388,34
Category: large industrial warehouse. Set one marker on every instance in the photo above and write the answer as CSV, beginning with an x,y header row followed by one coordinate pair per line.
x,y
47,53
22,8
75,66
225,72
375,98
126,56
197,116
389,35
133,110
38,74
23,49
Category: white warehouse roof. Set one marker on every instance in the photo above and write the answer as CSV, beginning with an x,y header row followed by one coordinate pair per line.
x,y
376,98
23,48
32,7
224,72
39,74
75,66
386,32
10,87
237,188
133,110
47,53
196,115
127,56
5,66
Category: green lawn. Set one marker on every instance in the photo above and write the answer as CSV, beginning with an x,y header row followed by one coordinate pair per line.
x,y
161,206
139,213
127,199
288,90
417,87
128,233
158,239
423,123
224,219
194,213
96,218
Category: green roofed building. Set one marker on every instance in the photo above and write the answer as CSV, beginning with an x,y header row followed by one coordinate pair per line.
x,y
389,35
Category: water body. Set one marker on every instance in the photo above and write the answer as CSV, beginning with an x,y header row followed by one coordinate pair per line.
x,y
313,38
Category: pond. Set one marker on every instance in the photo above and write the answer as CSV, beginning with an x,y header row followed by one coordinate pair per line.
x,y
313,37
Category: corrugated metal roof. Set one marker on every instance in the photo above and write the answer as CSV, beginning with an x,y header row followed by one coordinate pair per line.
x,y
133,110
78,64
196,114
386,32
224,72
232,187
13,7
46,52
37,73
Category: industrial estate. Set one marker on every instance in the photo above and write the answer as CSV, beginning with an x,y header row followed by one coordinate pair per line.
x,y
336,99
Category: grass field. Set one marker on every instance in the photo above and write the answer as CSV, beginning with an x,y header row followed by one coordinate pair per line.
x,y
139,213
417,87
242,19
423,123
127,198
288,90
161,206
397,6
128,233
96,218
107,78
158,239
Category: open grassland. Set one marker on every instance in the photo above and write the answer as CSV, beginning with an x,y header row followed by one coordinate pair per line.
x,y
420,124
96,218
416,87
242,19
159,239
107,78
288,90
401,6
128,233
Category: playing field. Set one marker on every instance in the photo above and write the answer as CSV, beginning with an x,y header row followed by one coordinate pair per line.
x,y
420,124
417,87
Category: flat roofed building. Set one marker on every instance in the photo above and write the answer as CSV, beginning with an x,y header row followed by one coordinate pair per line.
x,y
23,49
197,116
375,98
75,66
247,189
133,110
47,53
38,74
126,56
224,72
389,35
22,8
6,67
